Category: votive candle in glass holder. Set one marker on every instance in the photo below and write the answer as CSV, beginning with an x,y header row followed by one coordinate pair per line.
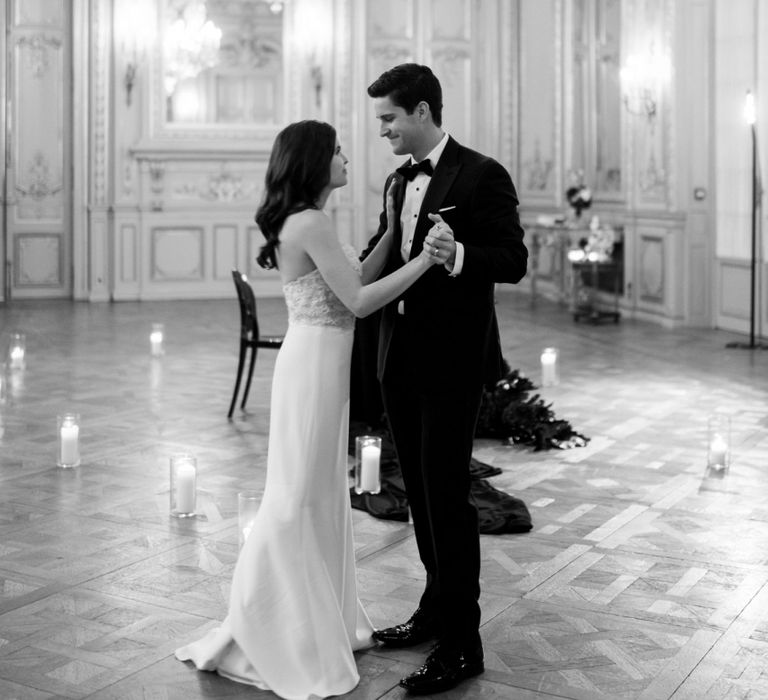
x,y
156,340
247,507
69,440
17,350
719,442
183,485
367,464
549,373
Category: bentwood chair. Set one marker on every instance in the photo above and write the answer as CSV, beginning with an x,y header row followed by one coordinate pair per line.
x,y
249,336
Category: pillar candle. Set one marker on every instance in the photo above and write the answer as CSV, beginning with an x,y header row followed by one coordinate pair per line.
x,y
185,488
718,452
156,343
17,357
549,367
70,451
369,477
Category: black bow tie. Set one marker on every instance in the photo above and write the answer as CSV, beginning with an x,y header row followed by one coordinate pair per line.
x,y
410,171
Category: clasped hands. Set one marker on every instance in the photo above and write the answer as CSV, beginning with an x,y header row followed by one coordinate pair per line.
x,y
439,242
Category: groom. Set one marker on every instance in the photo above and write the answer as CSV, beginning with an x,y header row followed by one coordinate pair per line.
x,y
438,347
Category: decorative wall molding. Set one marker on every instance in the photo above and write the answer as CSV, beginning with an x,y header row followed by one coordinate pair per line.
x,y
651,269
39,261
37,183
35,48
219,187
176,254
100,45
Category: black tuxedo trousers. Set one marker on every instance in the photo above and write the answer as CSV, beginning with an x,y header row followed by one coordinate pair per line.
x,y
433,426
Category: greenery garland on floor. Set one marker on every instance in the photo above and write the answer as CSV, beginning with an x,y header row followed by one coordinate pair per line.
x,y
509,412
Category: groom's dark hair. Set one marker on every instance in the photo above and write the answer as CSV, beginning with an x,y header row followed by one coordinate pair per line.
x,y
407,85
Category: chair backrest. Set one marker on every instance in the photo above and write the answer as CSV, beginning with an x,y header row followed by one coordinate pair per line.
x,y
249,324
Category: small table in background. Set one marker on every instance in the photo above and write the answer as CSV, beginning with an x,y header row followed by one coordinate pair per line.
x,y
560,238
586,303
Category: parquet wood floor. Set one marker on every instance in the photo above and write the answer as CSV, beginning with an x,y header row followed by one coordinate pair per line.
x,y
644,576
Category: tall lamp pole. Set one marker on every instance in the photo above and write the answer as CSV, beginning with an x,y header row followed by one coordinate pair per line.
x,y
750,115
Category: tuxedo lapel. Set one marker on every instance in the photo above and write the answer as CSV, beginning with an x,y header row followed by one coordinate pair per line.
x,y
445,173
397,241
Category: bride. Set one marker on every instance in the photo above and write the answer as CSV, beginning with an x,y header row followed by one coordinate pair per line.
x,y
294,616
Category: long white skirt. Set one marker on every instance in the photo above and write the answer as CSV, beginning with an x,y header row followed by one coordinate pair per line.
x,y
294,616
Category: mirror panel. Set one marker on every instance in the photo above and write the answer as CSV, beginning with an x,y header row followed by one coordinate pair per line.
x,y
237,81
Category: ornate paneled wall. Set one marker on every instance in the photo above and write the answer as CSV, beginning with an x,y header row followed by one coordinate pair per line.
x,y
164,188
34,127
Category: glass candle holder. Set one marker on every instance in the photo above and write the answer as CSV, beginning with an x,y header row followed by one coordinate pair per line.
x,y
156,340
247,507
17,350
68,425
549,373
719,442
367,464
183,485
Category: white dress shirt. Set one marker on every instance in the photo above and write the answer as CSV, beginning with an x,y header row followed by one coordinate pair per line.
x,y
409,215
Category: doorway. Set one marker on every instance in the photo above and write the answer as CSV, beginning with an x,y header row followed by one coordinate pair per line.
x,y
36,151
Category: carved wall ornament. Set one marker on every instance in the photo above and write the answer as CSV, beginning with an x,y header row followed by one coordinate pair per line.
x,y
38,179
156,183
249,50
221,187
653,178
37,54
537,170
389,55
451,59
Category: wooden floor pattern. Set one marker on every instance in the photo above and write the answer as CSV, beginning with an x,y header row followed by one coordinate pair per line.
x,y
644,576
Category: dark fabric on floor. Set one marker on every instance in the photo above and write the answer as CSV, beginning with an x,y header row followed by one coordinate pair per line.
x,y
498,512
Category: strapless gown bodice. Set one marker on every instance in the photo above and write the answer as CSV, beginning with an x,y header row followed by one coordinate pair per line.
x,y
310,300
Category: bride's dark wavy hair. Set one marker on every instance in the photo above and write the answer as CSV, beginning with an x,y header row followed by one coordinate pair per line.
x,y
298,171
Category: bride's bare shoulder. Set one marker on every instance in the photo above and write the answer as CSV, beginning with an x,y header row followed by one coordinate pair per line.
x,y
304,223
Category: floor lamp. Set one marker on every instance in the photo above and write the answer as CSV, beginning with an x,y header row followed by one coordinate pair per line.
x,y
757,195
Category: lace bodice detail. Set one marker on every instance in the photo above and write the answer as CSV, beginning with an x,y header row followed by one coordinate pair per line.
x,y
311,301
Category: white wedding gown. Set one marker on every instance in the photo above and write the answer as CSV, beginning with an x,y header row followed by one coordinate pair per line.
x,y
294,616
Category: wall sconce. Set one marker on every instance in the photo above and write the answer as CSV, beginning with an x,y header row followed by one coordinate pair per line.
x,y
312,35
643,79
135,31
316,75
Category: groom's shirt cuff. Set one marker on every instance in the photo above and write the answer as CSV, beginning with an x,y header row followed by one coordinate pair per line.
x,y
458,262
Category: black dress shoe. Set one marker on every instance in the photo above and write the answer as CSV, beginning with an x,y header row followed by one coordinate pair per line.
x,y
444,669
420,628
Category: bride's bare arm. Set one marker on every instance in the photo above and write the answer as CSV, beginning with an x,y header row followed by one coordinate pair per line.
x,y
320,242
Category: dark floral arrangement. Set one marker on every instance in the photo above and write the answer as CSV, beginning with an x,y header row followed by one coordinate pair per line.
x,y
579,197
509,412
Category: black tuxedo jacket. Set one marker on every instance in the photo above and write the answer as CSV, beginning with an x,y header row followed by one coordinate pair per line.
x,y
450,321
